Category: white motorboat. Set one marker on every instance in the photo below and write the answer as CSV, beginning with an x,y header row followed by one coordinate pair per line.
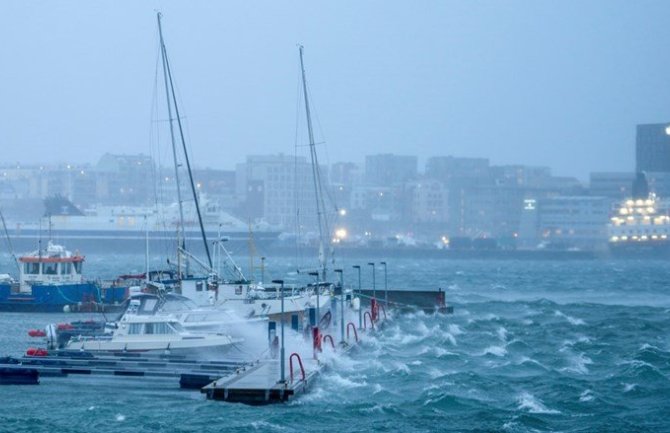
x,y
149,333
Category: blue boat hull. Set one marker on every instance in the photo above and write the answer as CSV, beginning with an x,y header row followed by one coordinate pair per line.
x,y
54,298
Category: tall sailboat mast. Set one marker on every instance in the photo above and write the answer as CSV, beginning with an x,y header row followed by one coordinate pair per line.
x,y
182,243
167,73
316,176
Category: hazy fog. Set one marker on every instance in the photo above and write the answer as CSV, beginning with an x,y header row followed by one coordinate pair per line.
x,y
544,83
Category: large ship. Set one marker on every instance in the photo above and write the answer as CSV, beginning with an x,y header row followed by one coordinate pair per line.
x,y
126,228
640,224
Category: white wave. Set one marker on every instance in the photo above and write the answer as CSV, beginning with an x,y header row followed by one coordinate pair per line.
x,y
454,329
495,350
343,382
578,364
502,333
377,388
434,373
378,408
120,417
416,362
525,359
91,408
628,387
450,338
265,426
573,320
402,368
586,396
527,322
528,402
440,352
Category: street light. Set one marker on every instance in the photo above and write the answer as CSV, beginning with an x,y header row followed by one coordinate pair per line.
x,y
282,351
340,271
262,269
386,287
374,288
360,299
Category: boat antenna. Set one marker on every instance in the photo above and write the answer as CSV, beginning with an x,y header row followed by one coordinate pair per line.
x,y
182,242
316,175
166,64
9,241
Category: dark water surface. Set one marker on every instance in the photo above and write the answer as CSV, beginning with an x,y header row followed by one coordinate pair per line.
x,y
575,346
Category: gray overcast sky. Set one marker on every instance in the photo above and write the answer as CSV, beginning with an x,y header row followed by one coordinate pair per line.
x,y
534,82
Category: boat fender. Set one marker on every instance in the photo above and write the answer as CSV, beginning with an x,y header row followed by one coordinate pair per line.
x,y
37,333
34,351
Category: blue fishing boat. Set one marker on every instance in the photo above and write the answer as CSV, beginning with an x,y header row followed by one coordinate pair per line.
x,y
51,280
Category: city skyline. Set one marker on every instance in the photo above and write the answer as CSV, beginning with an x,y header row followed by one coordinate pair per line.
x,y
468,79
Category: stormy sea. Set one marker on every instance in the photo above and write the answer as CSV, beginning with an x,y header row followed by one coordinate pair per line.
x,y
532,346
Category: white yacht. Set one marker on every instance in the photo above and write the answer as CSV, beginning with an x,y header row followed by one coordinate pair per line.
x,y
150,333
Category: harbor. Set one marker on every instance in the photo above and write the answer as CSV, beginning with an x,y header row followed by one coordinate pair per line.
x,y
272,378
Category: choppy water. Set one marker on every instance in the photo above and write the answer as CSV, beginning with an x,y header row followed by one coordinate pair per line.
x,y
532,346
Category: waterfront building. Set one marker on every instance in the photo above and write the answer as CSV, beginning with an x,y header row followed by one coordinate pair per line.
x,y
389,169
614,185
652,148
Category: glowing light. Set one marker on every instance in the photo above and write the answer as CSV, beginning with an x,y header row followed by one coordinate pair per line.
x,y
340,234
343,212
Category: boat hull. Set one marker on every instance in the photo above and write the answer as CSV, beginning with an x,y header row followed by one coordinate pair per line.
x,y
59,298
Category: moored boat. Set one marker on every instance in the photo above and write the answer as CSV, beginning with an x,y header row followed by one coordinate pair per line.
x,y
51,280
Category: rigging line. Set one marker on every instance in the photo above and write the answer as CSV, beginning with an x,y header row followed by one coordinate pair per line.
x,y
172,137
153,150
295,178
188,164
315,175
9,241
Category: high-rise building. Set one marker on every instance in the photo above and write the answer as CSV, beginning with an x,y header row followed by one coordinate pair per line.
x,y
652,148
616,186
388,169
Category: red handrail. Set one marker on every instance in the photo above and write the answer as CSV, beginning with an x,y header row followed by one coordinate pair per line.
x,y
290,365
329,337
365,320
351,325
374,309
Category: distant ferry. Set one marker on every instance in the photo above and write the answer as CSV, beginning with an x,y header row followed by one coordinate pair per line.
x,y
126,227
640,225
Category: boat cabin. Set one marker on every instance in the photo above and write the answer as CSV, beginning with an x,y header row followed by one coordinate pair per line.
x,y
52,265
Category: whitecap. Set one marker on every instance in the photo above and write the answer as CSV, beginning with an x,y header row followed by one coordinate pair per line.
x,y
586,396
343,382
434,373
573,320
628,387
402,368
377,388
440,352
416,362
265,426
502,333
495,350
119,417
578,364
528,402
91,408
454,329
